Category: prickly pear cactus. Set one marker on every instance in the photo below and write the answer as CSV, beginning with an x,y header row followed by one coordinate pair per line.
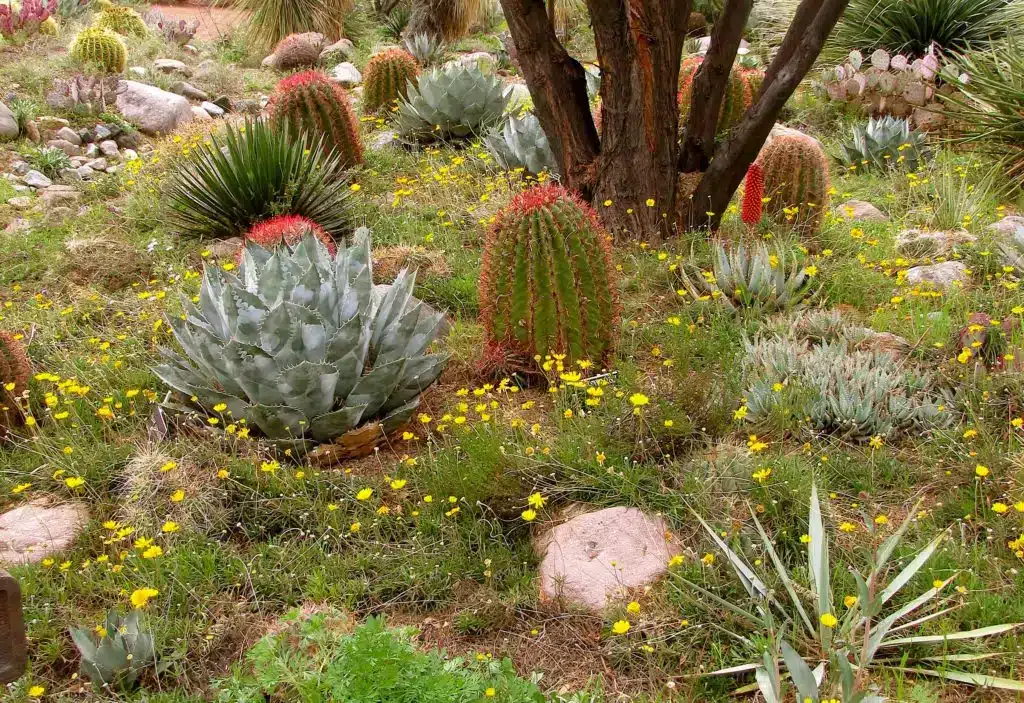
x,y
14,374
796,180
386,77
101,47
311,103
739,92
548,285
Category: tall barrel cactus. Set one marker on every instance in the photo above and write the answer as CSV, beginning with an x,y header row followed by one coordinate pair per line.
x,y
794,169
311,103
385,79
14,374
101,47
123,20
548,284
739,91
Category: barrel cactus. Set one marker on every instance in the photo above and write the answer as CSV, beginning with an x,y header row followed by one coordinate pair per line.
x,y
454,103
122,20
739,92
287,229
304,347
312,104
796,180
14,374
548,284
100,47
385,80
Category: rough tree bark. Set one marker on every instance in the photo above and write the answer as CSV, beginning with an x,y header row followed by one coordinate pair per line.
x,y
638,158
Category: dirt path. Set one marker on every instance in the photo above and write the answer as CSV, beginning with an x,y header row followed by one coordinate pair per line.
x,y
213,21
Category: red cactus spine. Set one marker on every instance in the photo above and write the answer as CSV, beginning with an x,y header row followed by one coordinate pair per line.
x,y
311,103
387,75
286,229
753,196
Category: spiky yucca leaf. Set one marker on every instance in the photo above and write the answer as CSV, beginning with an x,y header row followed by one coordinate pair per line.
x,y
304,346
249,173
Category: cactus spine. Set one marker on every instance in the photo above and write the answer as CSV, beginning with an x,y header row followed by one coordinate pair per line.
x,y
796,180
311,103
739,92
287,229
102,47
122,20
387,75
753,194
14,374
548,285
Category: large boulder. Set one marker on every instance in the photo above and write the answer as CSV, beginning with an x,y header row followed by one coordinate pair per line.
x,y
591,559
153,110
8,124
941,276
33,531
1007,225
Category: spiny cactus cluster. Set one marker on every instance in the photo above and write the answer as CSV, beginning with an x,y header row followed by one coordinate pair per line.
x,y
14,375
385,79
122,20
310,103
31,18
287,229
548,285
100,47
794,169
739,92
298,51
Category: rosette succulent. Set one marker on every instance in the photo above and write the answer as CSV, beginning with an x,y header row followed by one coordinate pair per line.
x,y
451,103
304,347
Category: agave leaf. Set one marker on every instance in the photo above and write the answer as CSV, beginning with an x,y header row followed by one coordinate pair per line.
x,y
374,388
329,427
309,387
767,684
817,557
278,421
912,568
418,375
754,585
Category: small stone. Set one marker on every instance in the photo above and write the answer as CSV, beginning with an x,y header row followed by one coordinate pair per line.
x,y
941,276
116,168
479,59
383,140
247,106
36,179
138,71
201,114
8,124
32,132
861,210
172,66
92,150
70,175
102,133
342,47
50,122
69,135
21,202
129,139
205,68
1009,225
223,102
19,168
212,110
920,243
65,146
130,154
109,148
347,75
188,48
33,531
18,224
85,173
58,195
189,91
99,164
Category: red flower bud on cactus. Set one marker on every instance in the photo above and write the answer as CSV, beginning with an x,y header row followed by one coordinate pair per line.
x,y
753,193
285,229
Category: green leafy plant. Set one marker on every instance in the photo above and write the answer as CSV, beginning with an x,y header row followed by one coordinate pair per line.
x,y
844,638
25,110
547,285
312,105
386,80
884,144
97,46
48,160
521,144
118,653
750,278
251,172
304,347
795,175
123,20
270,21
453,103
425,49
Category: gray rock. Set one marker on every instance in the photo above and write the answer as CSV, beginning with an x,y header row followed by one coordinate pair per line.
x,y
99,164
65,146
20,202
190,49
205,68
212,110
36,180
200,114
342,47
1008,225
130,154
19,168
35,530
8,124
347,75
51,122
116,168
223,102
304,50
92,150
59,195
109,148
138,71
70,175
920,243
130,139
941,276
189,91
102,132
861,210
69,135
480,59
247,106
18,224
383,140
172,66
154,111
85,173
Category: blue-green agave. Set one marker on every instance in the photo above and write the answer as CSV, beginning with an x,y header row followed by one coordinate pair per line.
x,y
304,347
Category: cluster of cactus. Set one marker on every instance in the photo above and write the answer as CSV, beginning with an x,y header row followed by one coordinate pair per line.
x,y
756,278
14,375
115,657
425,49
451,103
520,143
385,81
286,229
547,285
33,16
885,143
178,32
315,106
837,387
100,47
888,85
739,92
122,20
304,347
790,183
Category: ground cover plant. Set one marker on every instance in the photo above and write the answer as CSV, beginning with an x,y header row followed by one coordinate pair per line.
x,y
309,376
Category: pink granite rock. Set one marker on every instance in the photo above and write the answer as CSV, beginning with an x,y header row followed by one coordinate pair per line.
x,y
35,530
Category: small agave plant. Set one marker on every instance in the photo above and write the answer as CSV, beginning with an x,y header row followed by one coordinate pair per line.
x,y
117,653
883,144
750,278
521,143
304,347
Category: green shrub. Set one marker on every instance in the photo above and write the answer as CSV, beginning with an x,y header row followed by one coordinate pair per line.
x,y
48,160
454,103
101,47
386,79
311,104
251,173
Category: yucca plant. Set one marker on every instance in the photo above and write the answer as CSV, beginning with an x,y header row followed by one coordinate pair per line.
x,y
270,21
453,103
521,144
116,654
313,105
251,172
844,638
884,144
750,278
425,49
304,347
